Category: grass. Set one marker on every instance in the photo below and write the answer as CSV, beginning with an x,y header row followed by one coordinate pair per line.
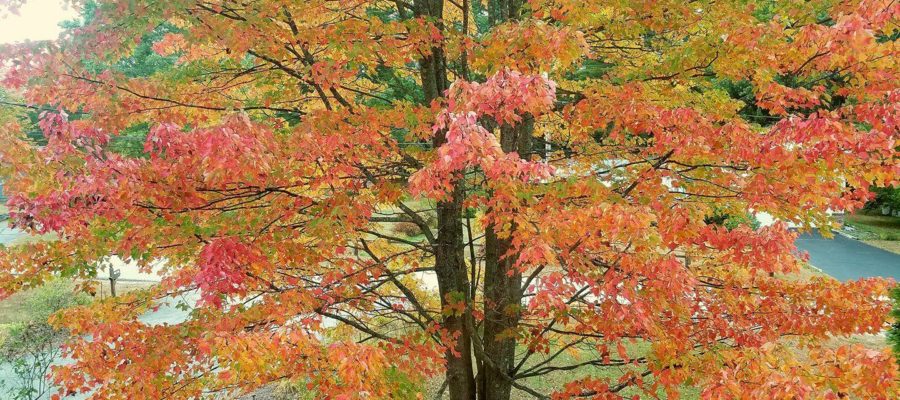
x,y
25,239
805,273
22,239
890,245
874,227
556,380
881,231
13,309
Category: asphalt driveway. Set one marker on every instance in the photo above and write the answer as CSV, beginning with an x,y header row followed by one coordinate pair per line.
x,y
848,259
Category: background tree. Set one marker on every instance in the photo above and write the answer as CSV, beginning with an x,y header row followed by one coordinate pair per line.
x,y
887,196
894,333
573,155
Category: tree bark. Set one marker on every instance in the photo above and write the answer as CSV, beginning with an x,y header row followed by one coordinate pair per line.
x,y
502,288
502,281
450,264
500,11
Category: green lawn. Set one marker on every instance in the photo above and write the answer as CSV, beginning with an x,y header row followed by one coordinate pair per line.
x,y
874,227
17,309
13,308
556,380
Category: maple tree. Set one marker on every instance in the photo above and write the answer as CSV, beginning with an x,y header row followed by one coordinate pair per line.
x,y
573,156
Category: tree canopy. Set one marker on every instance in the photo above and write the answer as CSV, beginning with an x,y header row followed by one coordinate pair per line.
x,y
561,171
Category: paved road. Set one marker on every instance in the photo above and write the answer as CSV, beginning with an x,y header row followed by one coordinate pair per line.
x,y
7,234
848,259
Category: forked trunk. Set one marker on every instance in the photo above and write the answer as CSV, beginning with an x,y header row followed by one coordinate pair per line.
x,y
502,282
450,265
502,289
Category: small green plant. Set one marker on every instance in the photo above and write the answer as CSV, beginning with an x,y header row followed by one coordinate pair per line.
x,y
30,350
31,347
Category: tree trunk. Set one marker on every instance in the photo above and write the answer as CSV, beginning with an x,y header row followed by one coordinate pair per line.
x,y
500,11
450,265
502,282
502,288
453,285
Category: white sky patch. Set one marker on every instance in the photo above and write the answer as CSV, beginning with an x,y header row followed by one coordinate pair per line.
x,y
37,20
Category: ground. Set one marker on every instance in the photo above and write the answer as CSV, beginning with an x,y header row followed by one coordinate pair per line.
x,y
848,259
876,228
881,231
892,246
549,383
265,393
10,237
11,311
11,308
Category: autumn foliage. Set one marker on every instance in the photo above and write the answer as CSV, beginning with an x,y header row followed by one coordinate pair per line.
x,y
561,159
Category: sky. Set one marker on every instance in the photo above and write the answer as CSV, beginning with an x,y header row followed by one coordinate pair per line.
x,y
37,20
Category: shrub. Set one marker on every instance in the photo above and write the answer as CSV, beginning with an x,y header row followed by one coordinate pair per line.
x,y
889,196
732,221
407,229
893,335
32,346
